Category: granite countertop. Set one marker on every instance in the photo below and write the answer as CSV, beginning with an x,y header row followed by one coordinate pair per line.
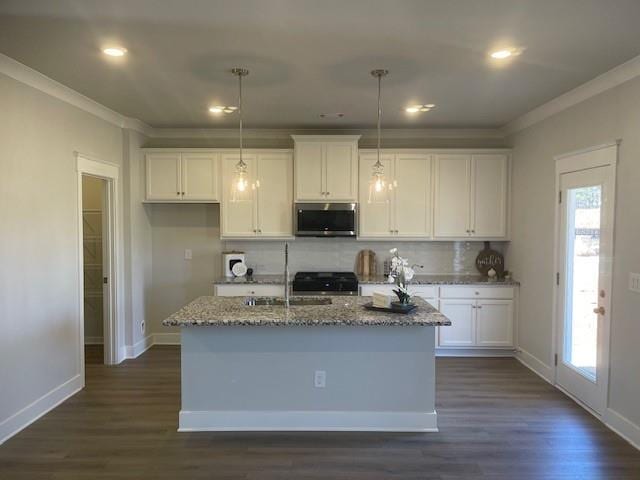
x,y
277,279
439,280
268,279
344,311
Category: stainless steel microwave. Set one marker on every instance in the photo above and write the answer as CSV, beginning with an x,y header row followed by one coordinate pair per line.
x,y
326,219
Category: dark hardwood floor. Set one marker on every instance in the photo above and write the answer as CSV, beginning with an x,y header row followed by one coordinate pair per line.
x,y
497,419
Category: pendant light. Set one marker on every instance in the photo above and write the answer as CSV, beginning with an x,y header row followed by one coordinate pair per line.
x,y
378,185
240,185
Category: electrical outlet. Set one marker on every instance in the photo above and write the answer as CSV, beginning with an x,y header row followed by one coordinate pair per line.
x,y
188,254
634,282
320,379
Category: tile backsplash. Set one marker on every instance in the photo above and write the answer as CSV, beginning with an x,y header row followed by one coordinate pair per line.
x,y
334,254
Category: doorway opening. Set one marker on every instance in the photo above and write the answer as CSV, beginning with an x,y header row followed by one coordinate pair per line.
x,y
584,259
93,250
100,278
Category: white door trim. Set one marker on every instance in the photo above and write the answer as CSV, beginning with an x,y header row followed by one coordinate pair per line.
x,y
114,324
566,163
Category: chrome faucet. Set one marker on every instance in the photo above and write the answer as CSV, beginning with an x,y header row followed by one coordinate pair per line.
x,y
286,274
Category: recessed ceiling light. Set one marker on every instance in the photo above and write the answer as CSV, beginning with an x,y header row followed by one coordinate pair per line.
x,y
501,54
115,51
222,109
419,108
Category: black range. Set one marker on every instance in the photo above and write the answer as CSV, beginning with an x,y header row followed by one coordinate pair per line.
x,y
325,283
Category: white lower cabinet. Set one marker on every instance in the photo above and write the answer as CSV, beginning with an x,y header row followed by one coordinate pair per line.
x,y
462,331
481,317
494,323
248,290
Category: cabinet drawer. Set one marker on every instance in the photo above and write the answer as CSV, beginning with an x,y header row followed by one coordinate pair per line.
x,y
249,290
471,291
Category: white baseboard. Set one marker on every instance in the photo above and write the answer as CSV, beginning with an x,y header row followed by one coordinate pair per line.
x,y
474,352
314,421
166,339
93,340
134,351
29,414
536,365
622,426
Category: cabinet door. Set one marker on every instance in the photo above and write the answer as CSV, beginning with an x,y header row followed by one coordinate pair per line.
x,y
375,210
412,195
461,332
452,188
494,320
275,195
341,183
489,196
163,176
238,216
200,176
309,171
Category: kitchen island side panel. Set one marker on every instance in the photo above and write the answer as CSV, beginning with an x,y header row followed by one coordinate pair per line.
x,y
257,369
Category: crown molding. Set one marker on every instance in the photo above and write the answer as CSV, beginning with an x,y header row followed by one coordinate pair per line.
x,y
28,76
285,134
608,80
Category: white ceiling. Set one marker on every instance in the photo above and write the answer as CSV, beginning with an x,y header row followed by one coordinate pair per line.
x,y
307,57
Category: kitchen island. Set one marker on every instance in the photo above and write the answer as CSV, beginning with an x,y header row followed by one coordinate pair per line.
x,y
329,367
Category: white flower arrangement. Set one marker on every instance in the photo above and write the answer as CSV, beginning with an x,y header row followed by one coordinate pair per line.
x,y
401,274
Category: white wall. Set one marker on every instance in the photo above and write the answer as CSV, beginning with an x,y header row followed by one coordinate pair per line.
x,y
39,288
608,116
137,239
177,281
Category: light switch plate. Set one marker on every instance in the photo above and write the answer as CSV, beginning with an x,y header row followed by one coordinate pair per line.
x,y
188,254
634,282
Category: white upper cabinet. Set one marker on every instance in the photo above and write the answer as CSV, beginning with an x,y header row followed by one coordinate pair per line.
x,y
182,177
238,215
309,171
471,192
163,176
200,176
402,210
265,209
452,195
489,195
375,215
326,168
275,195
412,195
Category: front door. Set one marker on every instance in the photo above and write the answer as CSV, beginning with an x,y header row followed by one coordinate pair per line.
x,y
585,255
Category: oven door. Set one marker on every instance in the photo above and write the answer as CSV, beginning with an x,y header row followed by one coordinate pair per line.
x,y
325,219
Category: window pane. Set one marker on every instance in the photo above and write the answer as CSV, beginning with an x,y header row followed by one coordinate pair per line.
x,y
583,266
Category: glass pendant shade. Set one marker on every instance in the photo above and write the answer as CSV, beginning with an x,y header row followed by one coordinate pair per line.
x,y
378,187
240,183
240,190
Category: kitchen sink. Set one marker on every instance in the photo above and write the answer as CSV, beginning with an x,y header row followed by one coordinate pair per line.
x,y
293,302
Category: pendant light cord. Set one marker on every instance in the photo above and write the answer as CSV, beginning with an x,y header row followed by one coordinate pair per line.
x,y
240,112
379,112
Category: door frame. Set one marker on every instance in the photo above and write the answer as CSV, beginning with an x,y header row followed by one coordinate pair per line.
x,y
567,163
112,241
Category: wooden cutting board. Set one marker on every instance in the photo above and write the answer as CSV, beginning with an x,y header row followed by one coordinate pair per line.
x,y
366,263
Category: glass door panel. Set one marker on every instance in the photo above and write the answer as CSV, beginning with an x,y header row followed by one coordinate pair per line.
x,y
583,271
